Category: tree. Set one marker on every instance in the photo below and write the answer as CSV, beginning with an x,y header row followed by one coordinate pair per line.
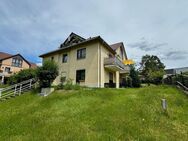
x,y
47,73
129,81
135,77
152,69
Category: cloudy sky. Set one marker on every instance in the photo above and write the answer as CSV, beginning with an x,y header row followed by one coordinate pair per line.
x,y
158,27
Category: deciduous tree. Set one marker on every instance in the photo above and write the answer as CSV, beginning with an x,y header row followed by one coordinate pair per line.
x,y
152,69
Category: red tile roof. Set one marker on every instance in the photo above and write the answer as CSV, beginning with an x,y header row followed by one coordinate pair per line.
x,y
33,65
4,55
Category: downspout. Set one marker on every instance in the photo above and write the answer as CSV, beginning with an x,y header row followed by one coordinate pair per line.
x,y
98,63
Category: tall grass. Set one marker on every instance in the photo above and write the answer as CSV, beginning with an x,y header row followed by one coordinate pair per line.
x,y
97,114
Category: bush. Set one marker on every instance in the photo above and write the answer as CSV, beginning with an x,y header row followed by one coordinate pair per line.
x,y
68,85
72,87
129,81
22,76
47,73
135,77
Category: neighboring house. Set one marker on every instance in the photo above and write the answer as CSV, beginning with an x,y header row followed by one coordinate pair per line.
x,y
11,64
90,62
176,71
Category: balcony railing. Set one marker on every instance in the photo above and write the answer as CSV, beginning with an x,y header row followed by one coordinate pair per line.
x,y
114,61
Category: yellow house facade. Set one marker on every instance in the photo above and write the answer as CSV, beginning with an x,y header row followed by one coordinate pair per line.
x,y
89,62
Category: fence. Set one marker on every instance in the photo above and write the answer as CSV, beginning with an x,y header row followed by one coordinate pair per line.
x,y
174,78
178,80
17,89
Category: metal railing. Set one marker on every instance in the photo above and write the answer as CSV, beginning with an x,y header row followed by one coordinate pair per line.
x,y
115,61
17,89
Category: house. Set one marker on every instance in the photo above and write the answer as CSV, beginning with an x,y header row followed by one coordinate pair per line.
x,y
90,62
11,64
176,71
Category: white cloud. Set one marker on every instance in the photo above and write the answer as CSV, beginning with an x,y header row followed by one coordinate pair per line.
x,y
35,27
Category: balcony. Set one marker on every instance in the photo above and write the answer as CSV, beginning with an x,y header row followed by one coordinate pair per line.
x,y
114,64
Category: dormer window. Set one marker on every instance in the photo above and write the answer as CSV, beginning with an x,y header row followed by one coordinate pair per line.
x,y
16,62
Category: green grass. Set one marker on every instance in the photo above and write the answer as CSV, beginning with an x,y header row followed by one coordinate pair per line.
x,y
3,86
98,114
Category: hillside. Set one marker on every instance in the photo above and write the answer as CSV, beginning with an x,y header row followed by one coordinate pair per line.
x,y
97,114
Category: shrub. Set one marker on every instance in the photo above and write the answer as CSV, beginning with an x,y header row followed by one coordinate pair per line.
x,y
129,81
47,73
68,85
72,87
22,76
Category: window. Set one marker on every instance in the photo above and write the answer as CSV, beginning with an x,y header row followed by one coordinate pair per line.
x,y
52,58
80,76
65,58
16,62
7,69
81,53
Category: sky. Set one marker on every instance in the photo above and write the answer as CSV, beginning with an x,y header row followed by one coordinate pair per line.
x,y
154,27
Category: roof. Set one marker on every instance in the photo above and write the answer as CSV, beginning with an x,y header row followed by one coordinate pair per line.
x,y
116,45
4,55
97,38
72,38
177,68
33,65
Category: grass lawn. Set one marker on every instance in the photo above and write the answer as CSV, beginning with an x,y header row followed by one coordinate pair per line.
x,y
3,86
98,114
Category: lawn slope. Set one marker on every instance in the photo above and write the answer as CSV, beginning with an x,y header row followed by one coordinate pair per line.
x,y
98,114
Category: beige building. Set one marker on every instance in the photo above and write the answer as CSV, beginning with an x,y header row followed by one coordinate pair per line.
x,y
11,64
90,62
